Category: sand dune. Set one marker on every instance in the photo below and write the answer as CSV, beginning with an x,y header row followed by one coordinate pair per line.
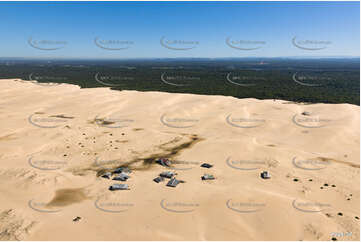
x,y
57,140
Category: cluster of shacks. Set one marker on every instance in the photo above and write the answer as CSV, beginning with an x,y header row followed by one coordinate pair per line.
x,y
119,174
122,174
173,182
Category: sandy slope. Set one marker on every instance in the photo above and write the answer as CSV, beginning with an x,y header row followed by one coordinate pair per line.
x,y
54,140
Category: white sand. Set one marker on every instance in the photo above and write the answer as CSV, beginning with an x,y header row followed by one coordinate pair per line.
x,y
38,204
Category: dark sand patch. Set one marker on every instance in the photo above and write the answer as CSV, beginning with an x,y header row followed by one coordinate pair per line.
x,y
65,197
175,140
142,163
325,159
146,163
122,141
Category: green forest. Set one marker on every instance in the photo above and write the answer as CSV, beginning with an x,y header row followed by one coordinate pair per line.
x,y
299,80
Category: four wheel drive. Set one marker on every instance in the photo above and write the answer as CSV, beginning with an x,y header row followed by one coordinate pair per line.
x,y
208,177
265,175
206,165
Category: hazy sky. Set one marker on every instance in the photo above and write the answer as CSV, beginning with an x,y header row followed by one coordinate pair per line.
x,y
186,29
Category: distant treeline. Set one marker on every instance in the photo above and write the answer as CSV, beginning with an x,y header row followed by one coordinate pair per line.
x,y
299,80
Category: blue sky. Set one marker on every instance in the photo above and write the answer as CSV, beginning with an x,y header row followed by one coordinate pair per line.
x,y
256,29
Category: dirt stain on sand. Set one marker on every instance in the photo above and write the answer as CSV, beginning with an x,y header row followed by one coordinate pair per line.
x,y
146,163
325,159
122,141
168,150
67,196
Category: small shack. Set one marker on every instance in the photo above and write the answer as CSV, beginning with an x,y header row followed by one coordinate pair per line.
x,y
122,170
115,187
158,179
107,175
167,174
164,162
121,177
173,182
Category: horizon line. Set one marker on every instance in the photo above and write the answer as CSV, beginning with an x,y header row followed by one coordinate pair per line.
x,y
142,58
